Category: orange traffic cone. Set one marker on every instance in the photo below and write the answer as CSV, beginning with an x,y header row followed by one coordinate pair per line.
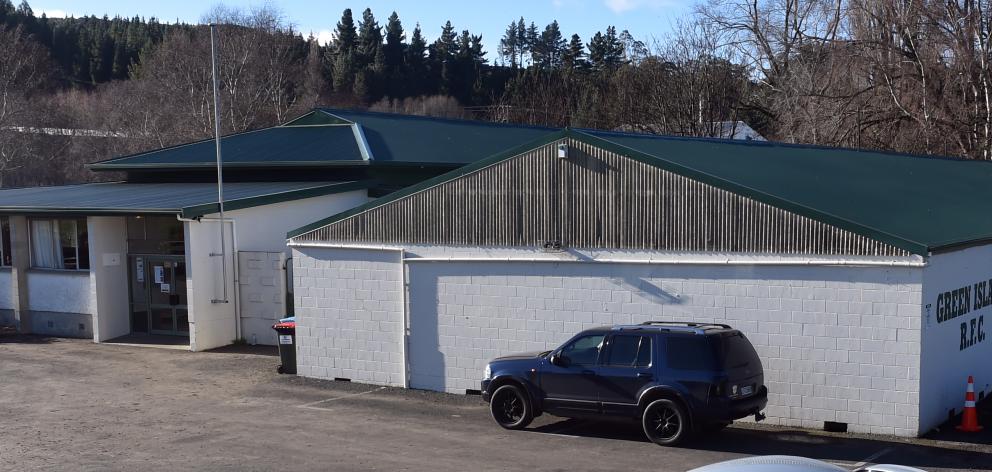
x,y
969,421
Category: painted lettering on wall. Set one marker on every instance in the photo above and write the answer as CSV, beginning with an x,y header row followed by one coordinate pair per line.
x,y
972,332
959,302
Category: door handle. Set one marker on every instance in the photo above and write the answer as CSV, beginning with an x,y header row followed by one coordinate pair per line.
x,y
644,375
588,372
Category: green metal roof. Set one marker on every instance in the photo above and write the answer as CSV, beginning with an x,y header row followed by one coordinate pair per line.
x,y
331,137
916,203
394,138
269,147
190,200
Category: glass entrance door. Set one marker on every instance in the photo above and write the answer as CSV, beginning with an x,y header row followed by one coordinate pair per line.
x,y
158,295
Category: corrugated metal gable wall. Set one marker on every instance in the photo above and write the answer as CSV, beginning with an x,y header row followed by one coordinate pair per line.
x,y
594,199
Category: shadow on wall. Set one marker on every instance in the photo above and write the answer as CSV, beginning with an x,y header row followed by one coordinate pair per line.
x,y
427,364
640,285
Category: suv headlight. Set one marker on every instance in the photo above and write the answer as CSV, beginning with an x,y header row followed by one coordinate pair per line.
x,y
487,373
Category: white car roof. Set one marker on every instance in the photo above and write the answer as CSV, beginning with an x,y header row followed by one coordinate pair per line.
x,y
771,464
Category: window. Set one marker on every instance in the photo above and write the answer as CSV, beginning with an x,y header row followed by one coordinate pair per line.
x,y
738,352
5,260
629,351
60,244
583,351
690,353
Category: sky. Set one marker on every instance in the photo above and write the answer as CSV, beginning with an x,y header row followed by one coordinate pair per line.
x,y
645,19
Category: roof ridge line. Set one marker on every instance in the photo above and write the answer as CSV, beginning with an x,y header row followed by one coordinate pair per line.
x,y
362,142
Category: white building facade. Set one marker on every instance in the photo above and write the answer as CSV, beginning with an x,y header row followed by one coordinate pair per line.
x,y
852,326
87,272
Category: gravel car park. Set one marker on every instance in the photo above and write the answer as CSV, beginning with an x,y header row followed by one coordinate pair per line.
x,y
75,405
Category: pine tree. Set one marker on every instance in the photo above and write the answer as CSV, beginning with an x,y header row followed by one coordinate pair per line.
x,y
442,55
508,45
614,48
394,42
606,50
547,50
522,46
343,52
345,36
446,43
343,71
24,9
532,40
416,65
394,72
369,38
573,57
478,52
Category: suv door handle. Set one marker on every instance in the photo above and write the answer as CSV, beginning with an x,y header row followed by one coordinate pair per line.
x,y
588,372
644,375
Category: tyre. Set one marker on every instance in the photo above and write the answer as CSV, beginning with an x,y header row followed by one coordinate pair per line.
x,y
665,422
511,408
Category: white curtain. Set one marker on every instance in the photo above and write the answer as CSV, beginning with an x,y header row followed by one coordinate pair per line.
x,y
46,244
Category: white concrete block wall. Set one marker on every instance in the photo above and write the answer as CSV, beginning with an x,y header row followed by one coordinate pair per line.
x,y
348,306
838,344
60,291
947,359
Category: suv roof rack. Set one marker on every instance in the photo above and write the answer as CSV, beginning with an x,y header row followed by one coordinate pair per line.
x,y
681,326
688,324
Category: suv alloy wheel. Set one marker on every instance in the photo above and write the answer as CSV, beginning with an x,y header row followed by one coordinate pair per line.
x,y
665,422
511,408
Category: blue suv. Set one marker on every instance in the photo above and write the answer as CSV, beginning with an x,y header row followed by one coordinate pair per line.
x,y
675,378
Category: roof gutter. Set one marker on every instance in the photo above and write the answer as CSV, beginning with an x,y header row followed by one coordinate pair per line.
x,y
557,258
685,261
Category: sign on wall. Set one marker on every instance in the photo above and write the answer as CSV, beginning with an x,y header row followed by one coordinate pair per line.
x,y
957,306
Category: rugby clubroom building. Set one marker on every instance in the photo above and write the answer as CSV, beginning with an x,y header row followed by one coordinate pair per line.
x,y
861,277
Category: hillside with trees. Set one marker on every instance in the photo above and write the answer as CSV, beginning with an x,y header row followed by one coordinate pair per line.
x,y
905,76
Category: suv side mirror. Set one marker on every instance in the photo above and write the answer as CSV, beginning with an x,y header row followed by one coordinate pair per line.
x,y
559,360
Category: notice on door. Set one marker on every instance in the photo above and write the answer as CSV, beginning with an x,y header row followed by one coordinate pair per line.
x,y
139,269
166,288
159,274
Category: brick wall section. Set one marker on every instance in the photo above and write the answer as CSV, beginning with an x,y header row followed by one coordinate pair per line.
x,y
348,312
837,343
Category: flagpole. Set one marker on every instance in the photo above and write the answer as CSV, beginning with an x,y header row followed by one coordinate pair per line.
x,y
220,160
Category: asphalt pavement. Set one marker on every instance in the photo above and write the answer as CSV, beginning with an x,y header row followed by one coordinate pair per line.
x,y
75,405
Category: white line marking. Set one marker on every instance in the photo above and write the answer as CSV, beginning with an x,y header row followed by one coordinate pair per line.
x,y
312,405
871,458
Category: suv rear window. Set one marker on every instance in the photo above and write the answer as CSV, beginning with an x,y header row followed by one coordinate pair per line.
x,y
690,353
737,352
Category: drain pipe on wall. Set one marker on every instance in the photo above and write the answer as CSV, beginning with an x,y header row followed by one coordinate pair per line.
x,y
406,320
